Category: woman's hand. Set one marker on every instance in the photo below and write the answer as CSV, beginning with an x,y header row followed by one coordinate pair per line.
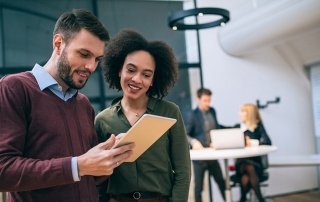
x,y
251,142
248,142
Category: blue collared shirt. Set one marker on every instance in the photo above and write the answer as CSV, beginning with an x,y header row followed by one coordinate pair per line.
x,y
45,80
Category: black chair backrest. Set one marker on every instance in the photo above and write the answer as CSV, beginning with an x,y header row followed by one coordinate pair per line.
x,y
265,162
265,166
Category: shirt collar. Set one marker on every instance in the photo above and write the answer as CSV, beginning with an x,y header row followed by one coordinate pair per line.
x,y
45,79
150,106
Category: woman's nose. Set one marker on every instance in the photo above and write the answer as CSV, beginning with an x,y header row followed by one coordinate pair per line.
x,y
136,78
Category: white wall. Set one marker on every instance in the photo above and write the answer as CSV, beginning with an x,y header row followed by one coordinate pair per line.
x,y
263,75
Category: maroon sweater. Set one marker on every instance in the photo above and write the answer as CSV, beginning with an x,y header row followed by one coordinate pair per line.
x,y
39,133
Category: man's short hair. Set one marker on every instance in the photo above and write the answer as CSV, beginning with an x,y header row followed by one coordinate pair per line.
x,y
70,23
203,91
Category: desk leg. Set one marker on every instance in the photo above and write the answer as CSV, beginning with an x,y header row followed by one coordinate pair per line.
x,y
210,188
228,189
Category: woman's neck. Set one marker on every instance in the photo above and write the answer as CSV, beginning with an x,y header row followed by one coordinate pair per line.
x,y
134,109
135,104
248,126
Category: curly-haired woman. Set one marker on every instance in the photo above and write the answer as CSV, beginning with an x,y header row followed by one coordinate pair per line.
x,y
144,71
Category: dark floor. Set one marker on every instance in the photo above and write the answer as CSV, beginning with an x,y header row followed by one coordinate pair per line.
x,y
309,196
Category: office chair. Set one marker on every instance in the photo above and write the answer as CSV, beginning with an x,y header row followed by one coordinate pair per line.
x,y
235,180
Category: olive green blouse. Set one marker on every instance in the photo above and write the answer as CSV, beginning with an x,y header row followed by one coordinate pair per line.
x,y
163,168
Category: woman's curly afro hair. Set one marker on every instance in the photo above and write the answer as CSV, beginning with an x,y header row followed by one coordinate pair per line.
x,y
128,41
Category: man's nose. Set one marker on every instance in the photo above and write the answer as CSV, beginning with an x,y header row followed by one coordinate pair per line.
x,y
91,65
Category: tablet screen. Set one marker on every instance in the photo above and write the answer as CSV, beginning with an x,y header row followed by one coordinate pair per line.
x,y
147,130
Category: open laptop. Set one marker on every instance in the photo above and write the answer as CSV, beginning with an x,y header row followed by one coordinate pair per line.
x,y
232,138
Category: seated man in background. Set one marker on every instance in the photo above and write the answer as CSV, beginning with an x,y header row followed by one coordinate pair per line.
x,y
199,124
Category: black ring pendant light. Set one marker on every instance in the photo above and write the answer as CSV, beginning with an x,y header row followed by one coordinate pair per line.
x,y
174,19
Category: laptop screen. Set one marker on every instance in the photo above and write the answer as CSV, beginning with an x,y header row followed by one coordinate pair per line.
x,y
227,138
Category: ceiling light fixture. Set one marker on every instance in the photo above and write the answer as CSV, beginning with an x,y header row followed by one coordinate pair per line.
x,y
175,20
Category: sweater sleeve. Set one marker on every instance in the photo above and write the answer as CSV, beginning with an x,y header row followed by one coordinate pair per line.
x,y
18,172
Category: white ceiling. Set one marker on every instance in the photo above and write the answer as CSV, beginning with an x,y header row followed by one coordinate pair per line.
x,y
292,26
306,46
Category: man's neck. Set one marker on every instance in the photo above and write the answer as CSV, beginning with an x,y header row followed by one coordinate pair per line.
x,y
53,71
204,109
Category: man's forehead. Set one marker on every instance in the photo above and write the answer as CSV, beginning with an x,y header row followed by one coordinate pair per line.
x,y
84,40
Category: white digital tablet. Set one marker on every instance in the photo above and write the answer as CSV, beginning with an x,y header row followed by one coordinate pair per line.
x,y
146,131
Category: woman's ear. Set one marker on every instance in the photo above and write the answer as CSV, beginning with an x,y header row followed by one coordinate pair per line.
x,y
120,72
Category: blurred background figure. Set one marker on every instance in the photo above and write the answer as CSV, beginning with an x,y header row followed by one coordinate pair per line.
x,y
199,123
250,170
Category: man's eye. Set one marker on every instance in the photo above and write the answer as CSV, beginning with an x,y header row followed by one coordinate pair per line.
x,y
85,55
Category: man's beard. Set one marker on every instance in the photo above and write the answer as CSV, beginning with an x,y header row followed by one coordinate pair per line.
x,y
64,71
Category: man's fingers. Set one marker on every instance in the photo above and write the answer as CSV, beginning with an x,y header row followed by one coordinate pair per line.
x,y
108,143
122,149
118,160
122,157
119,154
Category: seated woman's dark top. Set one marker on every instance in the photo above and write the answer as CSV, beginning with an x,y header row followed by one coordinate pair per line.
x,y
259,134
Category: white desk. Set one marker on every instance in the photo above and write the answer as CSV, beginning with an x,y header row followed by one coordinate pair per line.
x,y
226,154
292,161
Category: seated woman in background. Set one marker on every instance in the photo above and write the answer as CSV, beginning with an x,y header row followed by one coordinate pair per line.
x,y
250,170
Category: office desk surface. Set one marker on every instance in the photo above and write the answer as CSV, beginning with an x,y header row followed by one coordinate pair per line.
x,y
225,154
212,154
296,160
